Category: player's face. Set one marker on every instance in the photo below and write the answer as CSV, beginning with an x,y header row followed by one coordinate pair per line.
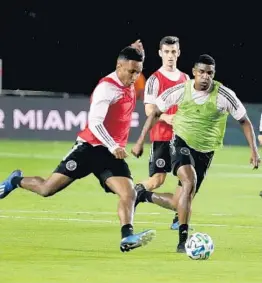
x,y
129,71
204,75
169,54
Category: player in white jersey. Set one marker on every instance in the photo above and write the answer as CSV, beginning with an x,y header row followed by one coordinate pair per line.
x,y
168,75
199,124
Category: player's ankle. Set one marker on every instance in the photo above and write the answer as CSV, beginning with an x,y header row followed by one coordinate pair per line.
x,y
127,230
16,181
183,233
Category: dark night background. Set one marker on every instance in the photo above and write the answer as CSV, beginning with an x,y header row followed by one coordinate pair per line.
x,y
69,46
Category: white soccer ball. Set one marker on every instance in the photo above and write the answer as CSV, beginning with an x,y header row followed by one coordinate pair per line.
x,y
199,246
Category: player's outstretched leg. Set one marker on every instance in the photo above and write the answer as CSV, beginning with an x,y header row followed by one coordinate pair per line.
x,y
7,186
137,240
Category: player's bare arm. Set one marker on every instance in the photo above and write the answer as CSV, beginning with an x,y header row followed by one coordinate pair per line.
x,y
167,118
151,120
250,136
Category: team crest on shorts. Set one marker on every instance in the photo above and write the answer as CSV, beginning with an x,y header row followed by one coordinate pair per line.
x,y
185,151
71,165
160,163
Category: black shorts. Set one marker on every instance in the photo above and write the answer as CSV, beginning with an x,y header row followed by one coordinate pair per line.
x,y
182,154
84,159
159,160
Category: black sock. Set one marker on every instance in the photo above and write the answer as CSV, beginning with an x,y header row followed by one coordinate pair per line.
x,y
16,181
127,230
175,218
142,194
148,196
183,233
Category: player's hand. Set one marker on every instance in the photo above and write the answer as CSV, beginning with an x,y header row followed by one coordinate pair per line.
x,y
260,139
255,159
167,118
137,150
120,153
138,45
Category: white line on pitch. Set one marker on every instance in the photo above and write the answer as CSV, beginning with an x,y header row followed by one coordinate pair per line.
x,y
117,222
101,212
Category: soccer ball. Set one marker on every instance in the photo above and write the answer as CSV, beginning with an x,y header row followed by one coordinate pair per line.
x,y
199,246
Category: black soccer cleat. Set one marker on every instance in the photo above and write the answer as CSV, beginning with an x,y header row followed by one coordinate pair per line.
x,y
181,248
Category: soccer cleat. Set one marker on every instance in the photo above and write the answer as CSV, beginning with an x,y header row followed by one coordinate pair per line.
x,y
6,186
137,240
181,248
260,193
175,226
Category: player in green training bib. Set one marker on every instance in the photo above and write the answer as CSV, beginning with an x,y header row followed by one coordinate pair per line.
x,y
199,127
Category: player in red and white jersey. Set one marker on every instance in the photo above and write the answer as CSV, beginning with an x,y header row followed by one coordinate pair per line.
x,y
168,75
100,147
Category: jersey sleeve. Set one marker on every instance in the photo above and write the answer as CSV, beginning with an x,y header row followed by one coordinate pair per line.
x,y
229,102
171,96
151,90
103,95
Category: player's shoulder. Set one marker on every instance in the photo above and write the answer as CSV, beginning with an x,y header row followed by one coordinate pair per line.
x,y
228,97
185,75
111,81
106,87
226,91
154,77
152,84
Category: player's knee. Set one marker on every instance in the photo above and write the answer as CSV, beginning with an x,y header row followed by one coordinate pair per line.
x,y
157,181
189,181
128,194
189,186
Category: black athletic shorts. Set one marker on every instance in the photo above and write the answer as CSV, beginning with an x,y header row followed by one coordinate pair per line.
x,y
182,154
84,159
159,160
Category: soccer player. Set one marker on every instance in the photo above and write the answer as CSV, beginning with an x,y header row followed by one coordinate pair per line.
x,y
100,147
199,125
168,75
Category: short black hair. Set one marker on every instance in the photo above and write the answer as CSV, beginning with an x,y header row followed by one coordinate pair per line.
x,y
205,59
167,40
131,53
